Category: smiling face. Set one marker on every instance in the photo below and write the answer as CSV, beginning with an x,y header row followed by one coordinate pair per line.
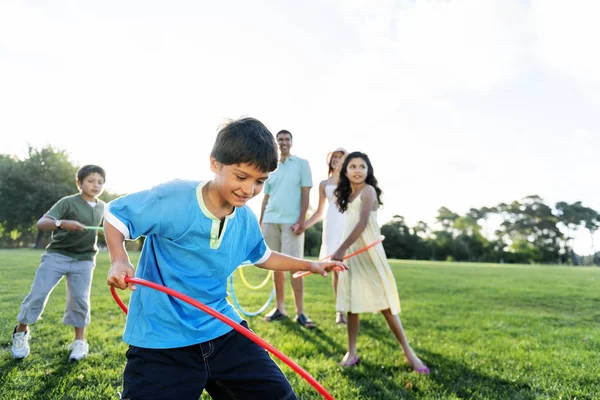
x,y
91,186
337,158
237,183
284,141
357,170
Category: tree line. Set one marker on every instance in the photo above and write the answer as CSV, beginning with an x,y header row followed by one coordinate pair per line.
x,y
525,231
28,188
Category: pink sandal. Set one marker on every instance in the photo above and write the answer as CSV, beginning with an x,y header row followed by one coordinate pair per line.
x,y
347,364
423,370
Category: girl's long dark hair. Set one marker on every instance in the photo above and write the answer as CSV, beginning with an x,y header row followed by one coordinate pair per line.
x,y
343,190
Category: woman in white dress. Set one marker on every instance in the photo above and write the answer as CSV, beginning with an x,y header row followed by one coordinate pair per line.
x,y
333,223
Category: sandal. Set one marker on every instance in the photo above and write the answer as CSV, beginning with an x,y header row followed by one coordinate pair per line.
x,y
423,370
348,364
304,321
339,318
274,315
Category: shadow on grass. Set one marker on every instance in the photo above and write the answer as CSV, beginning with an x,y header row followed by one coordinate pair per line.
x,y
449,376
324,343
389,383
57,372
464,382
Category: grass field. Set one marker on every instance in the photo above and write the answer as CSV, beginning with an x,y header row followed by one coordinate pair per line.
x,y
486,332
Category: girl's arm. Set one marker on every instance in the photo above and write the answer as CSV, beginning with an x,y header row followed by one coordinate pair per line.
x,y
318,215
282,262
368,198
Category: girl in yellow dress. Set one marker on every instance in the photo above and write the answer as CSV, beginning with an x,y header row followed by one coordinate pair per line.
x,y
369,285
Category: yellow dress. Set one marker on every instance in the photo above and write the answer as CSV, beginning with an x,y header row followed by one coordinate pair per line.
x,y
368,285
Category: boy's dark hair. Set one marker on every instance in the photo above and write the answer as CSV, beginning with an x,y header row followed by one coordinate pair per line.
x,y
286,132
343,190
246,140
86,170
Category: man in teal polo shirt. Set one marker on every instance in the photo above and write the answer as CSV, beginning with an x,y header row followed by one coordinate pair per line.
x,y
282,217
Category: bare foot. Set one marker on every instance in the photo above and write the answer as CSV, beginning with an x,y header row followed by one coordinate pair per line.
x,y
349,360
417,365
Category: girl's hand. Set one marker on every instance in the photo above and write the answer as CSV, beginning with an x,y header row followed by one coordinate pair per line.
x,y
339,254
323,267
117,274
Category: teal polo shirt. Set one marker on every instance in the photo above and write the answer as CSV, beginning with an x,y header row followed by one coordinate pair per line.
x,y
284,188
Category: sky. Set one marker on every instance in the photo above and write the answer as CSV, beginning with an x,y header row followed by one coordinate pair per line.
x,y
457,103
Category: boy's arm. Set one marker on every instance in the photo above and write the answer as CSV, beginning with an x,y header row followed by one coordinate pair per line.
x,y
282,262
56,213
119,259
48,223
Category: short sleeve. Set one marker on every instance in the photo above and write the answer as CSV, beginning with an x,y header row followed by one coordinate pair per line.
x,y
134,215
257,250
306,175
59,210
268,186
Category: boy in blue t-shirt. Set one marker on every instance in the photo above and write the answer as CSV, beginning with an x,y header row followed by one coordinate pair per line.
x,y
197,234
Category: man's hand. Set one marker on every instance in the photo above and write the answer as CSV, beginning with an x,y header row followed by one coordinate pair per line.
x,y
117,274
323,267
298,228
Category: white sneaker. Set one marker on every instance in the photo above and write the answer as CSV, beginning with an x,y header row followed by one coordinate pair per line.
x,y
79,349
20,344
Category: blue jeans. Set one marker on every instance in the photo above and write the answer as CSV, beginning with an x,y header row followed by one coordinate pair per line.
x,y
228,367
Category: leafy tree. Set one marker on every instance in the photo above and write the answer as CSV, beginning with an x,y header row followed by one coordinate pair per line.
x,y
29,187
312,240
446,218
573,217
400,241
531,224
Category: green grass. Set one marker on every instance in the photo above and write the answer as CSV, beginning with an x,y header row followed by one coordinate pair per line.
x,y
486,331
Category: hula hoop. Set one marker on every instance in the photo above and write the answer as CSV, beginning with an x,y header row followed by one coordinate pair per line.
x,y
246,332
269,275
94,228
300,274
239,307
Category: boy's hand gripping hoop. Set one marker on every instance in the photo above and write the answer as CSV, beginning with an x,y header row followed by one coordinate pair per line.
x,y
246,332
300,274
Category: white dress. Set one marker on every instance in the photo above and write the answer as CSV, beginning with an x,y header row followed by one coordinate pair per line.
x,y
333,225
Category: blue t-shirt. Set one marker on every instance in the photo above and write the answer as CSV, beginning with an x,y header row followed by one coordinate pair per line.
x,y
183,251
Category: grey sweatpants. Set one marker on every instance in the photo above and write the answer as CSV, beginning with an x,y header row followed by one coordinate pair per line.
x,y
79,281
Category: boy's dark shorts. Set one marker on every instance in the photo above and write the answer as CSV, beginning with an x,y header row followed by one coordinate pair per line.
x,y
228,367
